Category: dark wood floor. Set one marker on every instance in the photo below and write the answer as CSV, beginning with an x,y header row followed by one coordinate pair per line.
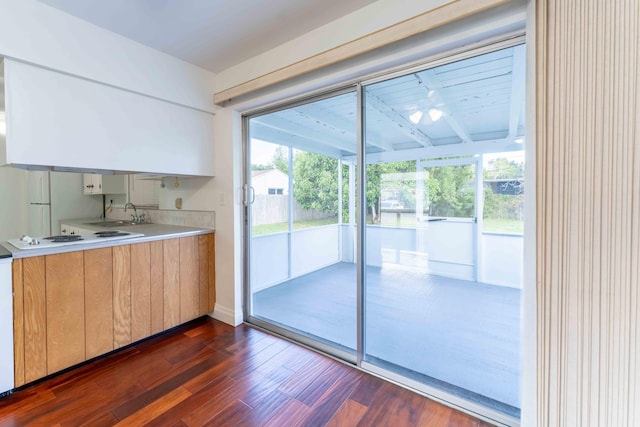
x,y
208,373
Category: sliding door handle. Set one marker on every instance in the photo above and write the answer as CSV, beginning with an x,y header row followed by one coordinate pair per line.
x,y
249,195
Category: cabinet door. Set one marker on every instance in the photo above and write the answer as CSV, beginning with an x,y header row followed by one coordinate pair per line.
x,y
89,180
121,296
35,320
18,323
143,192
98,309
113,184
157,286
189,279
65,310
140,291
206,267
171,282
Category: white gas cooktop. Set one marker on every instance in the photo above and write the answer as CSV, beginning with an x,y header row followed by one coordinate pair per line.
x,y
27,242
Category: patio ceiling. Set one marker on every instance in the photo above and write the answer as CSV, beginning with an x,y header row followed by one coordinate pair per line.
x,y
480,101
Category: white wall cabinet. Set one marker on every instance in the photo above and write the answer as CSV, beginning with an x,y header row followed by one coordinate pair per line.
x,y
67,229
144,192
104,184
62,121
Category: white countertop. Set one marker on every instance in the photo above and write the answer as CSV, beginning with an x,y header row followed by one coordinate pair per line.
x,y
150,232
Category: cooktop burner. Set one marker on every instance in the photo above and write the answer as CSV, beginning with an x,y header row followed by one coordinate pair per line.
x,y
30,243
64,238
111,233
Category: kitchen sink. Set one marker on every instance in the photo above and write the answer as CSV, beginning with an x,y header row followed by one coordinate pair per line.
x,y
110,224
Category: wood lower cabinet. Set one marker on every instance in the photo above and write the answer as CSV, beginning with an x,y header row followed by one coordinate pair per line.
x,y
171,282
72,307
189,278
157,286
64,275
98,301
141,308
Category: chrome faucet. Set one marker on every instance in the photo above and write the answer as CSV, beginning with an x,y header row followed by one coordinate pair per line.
x,y
135,218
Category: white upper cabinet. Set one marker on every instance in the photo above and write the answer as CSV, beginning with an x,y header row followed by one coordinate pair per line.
x,y
61,121
144,192
104,184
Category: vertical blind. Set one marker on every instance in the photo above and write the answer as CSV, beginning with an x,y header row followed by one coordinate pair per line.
x,y
588,212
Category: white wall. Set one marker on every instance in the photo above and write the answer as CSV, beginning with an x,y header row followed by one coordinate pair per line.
x,y
369,19
227,187
13,202
196,193
36,33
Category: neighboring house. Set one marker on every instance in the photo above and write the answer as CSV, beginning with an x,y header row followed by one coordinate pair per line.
x,y
270,182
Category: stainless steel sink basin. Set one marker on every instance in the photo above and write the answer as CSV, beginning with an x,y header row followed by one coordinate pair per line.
x,y
110,224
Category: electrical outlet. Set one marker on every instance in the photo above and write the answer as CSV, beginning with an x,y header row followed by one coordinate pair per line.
x,y
221,199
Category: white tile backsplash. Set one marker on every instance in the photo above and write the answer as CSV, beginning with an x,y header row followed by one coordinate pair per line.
x,y
200,219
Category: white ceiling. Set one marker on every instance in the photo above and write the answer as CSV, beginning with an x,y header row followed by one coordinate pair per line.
x,y
214,34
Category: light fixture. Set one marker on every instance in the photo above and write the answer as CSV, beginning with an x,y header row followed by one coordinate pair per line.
x,y
519,140
435,114
415,117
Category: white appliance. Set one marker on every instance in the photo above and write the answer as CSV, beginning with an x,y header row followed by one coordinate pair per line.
x,y
6,325
26,242
55,196
39,203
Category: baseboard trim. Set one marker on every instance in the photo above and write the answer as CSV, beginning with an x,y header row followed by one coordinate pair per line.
x,y
226,315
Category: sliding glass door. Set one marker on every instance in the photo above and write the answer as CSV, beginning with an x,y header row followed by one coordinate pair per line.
x,y
302,270
384,226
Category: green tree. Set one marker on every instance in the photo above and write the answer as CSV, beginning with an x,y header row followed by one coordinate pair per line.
x,y
261,167
503,206
451,191
316,182
281,159
503,168
397,188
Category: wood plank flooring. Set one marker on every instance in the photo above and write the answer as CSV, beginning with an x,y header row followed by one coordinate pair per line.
x,y
207,373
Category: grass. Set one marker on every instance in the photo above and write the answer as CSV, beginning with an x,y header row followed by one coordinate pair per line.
x,y
496,225
280,227
491,225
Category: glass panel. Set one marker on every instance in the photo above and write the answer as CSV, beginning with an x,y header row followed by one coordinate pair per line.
x,y
302,263
446,228
442,284
504,193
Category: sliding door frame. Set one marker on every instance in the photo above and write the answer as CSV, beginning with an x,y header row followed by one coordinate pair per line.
x,y
358,85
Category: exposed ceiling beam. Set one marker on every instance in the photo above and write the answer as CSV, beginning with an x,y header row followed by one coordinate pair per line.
x,y
398,120
330,136
324,115
452,150
338,121
430,78
275,136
